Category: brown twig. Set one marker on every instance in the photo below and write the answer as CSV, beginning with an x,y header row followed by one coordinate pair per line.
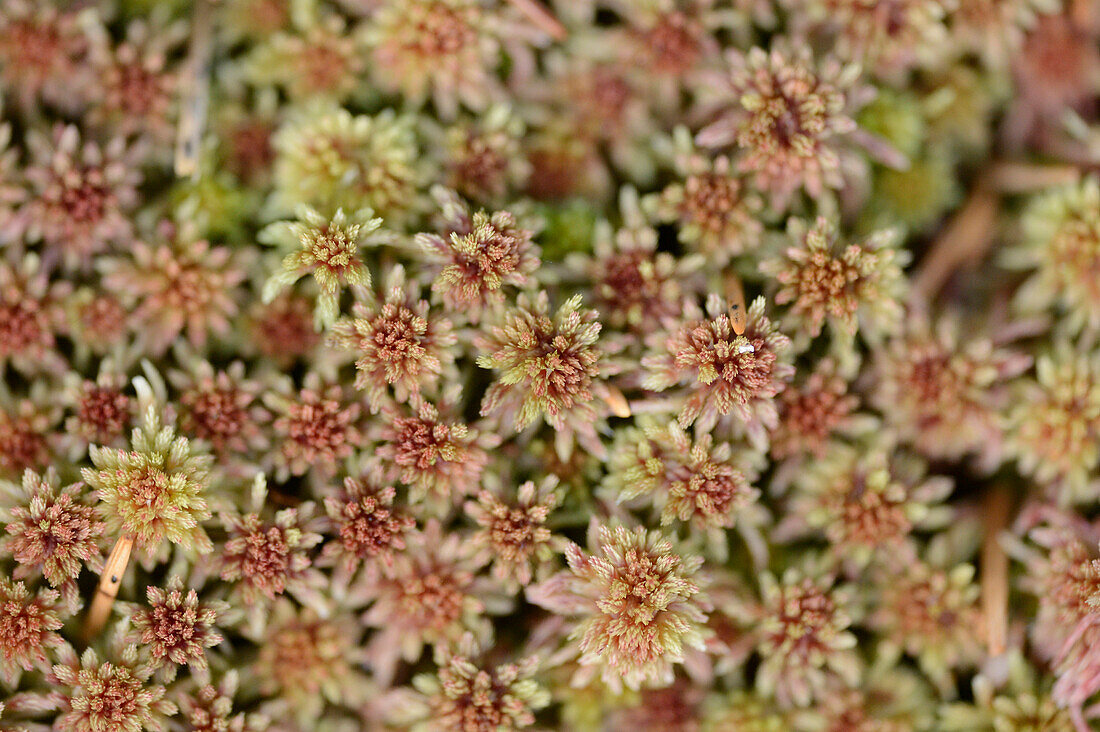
x,y
543,18
994,578
113,570
965,239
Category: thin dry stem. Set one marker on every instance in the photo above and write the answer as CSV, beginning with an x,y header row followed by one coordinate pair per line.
x,y
968,236
965,239
113,570
994,578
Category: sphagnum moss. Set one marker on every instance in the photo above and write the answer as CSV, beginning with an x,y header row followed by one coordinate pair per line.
x,y
550,364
